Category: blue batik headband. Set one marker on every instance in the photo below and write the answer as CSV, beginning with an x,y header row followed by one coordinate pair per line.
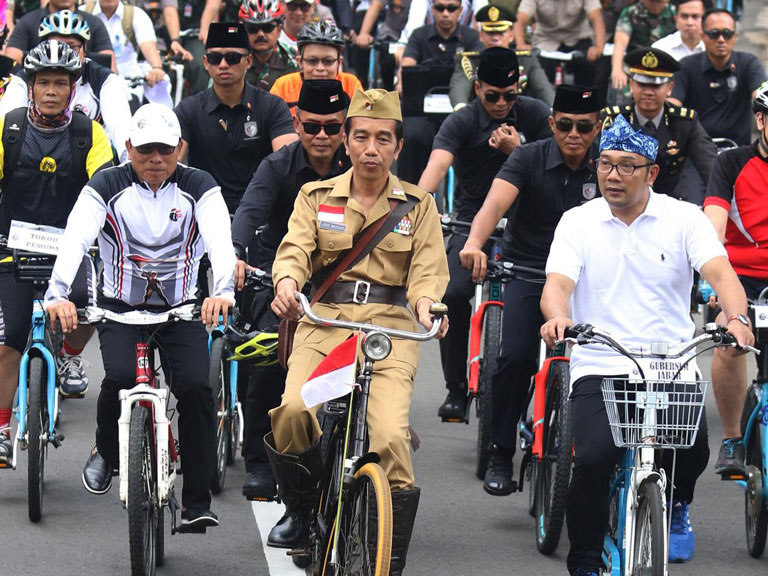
x,y
621,136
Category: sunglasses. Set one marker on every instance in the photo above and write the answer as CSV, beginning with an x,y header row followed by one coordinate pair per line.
x,y
446,7
494,97
313,128
582,126
715,33
232,58
148,149
267,28
303,6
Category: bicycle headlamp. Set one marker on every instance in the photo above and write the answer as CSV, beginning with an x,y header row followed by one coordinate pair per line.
x,y
377,346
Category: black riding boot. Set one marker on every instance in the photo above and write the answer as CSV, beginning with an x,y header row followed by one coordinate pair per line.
x,y
404,506
297,476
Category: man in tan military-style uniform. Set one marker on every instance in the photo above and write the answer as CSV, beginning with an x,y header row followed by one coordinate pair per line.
x,y
407,266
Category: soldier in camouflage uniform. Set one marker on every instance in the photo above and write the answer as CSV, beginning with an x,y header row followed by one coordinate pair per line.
x,y
678,131
495,23
263,19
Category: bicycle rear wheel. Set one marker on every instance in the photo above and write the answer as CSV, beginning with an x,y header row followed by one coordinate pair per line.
x,y
37,429
220,389
365,533
553,472
755,512
491,350
649,532
143,503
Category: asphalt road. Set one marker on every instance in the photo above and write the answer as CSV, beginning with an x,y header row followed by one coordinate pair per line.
x,y
460,529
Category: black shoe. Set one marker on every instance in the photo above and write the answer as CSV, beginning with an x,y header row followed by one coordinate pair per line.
x,y
291,531
194,518
97,474
731,457
498,476
455,406
260,484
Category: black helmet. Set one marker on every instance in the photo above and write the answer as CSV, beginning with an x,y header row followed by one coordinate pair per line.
x,y
322,32
53,55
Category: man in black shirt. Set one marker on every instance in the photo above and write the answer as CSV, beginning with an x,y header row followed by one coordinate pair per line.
x,y
228,129
477,140
546,178
268,200
25,34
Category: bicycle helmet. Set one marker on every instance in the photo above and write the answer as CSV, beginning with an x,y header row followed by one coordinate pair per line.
x,y
323,32
53,55
65,23
261,11
258,347
760,103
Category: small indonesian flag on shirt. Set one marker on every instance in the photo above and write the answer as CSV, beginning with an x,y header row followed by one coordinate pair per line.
x,y
334,376
327,213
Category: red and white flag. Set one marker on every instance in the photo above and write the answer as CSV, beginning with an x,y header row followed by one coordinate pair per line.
x,y
334,376
326,213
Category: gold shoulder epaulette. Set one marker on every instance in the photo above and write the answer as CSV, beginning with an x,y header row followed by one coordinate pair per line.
x,y
523,52
466,66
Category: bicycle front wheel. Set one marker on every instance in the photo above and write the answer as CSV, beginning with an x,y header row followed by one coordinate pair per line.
x,y
649,532
553,472
143,503
220,388
491,350
755,512
365,533
37,429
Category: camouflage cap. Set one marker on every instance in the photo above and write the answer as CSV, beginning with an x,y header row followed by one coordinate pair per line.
x,y
375,103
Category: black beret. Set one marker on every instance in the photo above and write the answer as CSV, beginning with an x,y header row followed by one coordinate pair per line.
x,y
576,99
650,65
227,35
498,67
322,97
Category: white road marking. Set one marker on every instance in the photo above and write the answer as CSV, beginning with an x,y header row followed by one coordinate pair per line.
x,y
267,514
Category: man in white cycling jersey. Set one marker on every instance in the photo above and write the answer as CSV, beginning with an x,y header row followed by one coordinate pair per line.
x,y
154,218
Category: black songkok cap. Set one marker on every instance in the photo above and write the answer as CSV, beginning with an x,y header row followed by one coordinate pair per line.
x,y
227,35
322,97
575,99
498,67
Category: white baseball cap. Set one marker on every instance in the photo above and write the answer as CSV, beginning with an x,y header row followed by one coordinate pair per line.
x,y
155,123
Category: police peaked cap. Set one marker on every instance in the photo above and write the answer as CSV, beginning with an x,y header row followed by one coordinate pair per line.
x,y
322,97
576,99
498,67
493,18
227,35
650,65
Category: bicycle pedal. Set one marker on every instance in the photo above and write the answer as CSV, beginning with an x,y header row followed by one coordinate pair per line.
x,y
455,420
5,465
299,552
262,499
56,440
732,476
187,529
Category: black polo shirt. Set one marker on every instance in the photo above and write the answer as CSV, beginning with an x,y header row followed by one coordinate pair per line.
x,y
465,134
426,46
229,143
270,197
722,98
25,33
547,189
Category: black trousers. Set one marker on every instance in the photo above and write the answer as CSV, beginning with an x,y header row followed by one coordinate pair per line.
x,y
519,354
594,460
418,134
184,355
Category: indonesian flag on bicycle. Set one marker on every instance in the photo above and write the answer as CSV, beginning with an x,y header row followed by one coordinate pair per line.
x,y
334,376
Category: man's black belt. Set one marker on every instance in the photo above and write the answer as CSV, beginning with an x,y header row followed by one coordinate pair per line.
x,y
361,292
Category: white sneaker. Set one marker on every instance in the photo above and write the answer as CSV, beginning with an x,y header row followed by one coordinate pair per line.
x,y
71,370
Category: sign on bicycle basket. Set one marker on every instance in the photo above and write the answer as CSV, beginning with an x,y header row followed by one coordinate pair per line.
x,y
34,237
665,369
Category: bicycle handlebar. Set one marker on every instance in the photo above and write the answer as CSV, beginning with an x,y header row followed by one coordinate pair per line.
x,y
508,270
439,310
95,315
451,225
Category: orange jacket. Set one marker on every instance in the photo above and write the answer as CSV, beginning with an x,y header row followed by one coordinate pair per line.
x,y
288,87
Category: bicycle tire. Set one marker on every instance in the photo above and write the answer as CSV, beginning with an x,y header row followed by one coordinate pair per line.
x,y
160,538
756,522
491,351
219,389
649,544
37,428
143,505
371,487
552,489
324,512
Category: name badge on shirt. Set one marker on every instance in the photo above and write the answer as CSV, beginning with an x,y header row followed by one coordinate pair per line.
x,y
403,227
333,214
332,226
733,81
251,130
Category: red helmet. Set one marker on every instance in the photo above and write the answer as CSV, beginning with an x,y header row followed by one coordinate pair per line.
x,y
261,11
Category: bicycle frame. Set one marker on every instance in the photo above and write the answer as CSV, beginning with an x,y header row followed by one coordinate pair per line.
x,y
234,403
540,395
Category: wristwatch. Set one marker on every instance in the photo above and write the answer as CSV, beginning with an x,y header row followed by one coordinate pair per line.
x,y
740,317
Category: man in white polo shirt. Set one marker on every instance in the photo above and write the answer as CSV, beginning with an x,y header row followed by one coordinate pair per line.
x,y
686,40
627,261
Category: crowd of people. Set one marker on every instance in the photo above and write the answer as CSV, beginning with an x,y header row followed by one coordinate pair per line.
x,y
592,127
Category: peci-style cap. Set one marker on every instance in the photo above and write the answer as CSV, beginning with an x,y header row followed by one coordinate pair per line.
x,y
155,123
498,67
650,65
227,35
576,99
375,103
322,97
494,18
621,136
